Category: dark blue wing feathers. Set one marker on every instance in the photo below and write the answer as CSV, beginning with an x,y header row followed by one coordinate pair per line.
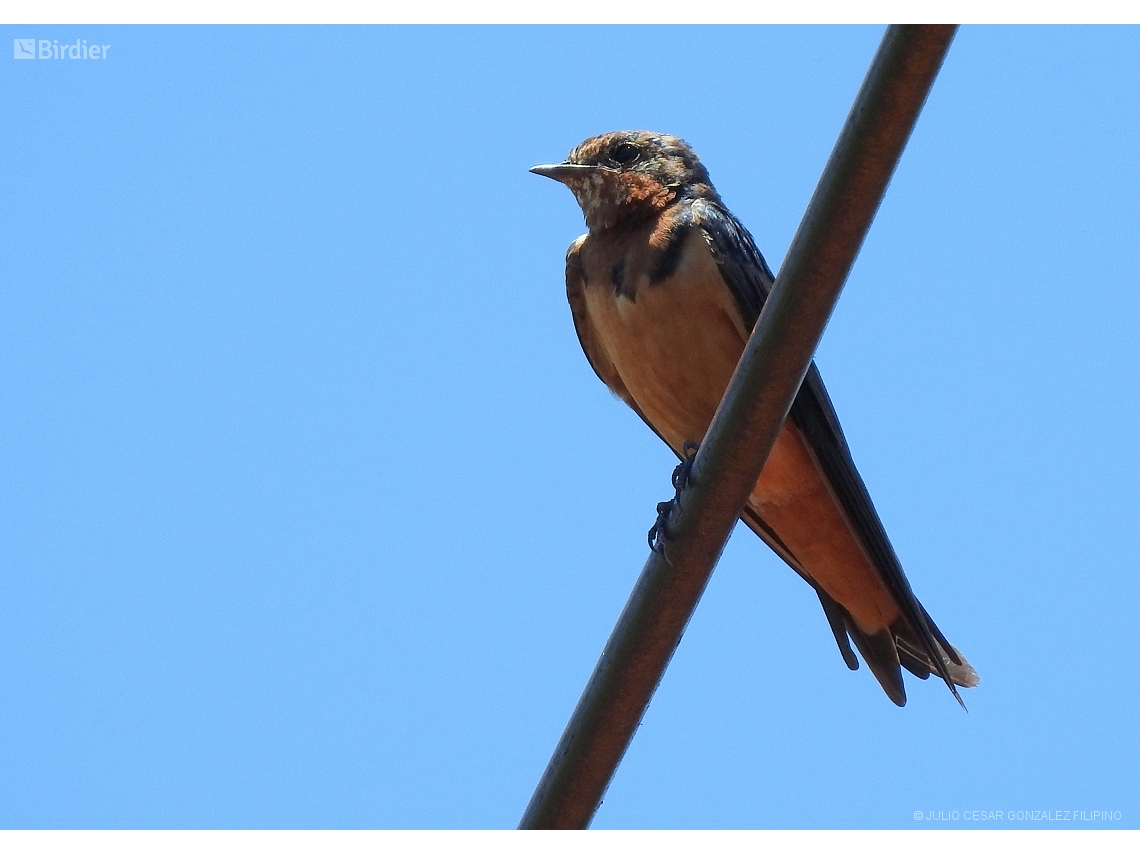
x,y
750,280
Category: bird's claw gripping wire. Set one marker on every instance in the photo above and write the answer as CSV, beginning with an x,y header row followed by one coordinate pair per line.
x,y
659,533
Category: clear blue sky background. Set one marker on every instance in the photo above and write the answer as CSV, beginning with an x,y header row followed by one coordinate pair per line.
x,y
314,515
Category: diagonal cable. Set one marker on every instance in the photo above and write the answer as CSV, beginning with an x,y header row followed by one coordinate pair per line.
x,y
744,428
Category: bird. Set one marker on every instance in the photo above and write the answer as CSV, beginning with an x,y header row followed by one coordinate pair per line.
x,y
664,290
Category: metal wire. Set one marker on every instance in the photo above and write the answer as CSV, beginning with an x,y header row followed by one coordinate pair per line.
x,y
744,428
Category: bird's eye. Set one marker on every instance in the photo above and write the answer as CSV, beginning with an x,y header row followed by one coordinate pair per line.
x,y
625,153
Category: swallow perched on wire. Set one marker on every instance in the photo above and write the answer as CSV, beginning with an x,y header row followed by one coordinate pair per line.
x,y
665,289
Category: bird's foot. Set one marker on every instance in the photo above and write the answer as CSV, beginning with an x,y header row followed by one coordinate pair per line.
x,y
659,533
684,469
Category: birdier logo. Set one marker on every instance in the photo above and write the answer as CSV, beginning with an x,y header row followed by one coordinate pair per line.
x,y
52,49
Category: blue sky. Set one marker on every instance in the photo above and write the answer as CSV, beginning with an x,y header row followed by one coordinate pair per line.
x,y
314,514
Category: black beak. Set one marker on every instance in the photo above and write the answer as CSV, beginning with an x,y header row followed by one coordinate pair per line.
x,y
564,171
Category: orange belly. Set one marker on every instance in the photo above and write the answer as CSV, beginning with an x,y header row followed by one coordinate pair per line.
x,y
793,497
675,347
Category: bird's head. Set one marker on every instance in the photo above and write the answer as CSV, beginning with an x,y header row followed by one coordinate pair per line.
x,y
624,178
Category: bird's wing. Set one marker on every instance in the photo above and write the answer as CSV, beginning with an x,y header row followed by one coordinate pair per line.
x,y
918,640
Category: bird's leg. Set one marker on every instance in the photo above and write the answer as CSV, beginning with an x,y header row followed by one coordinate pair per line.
x,y
660,529
680,479
684,469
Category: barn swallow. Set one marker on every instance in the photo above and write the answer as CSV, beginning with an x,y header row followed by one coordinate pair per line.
x,y
664,290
